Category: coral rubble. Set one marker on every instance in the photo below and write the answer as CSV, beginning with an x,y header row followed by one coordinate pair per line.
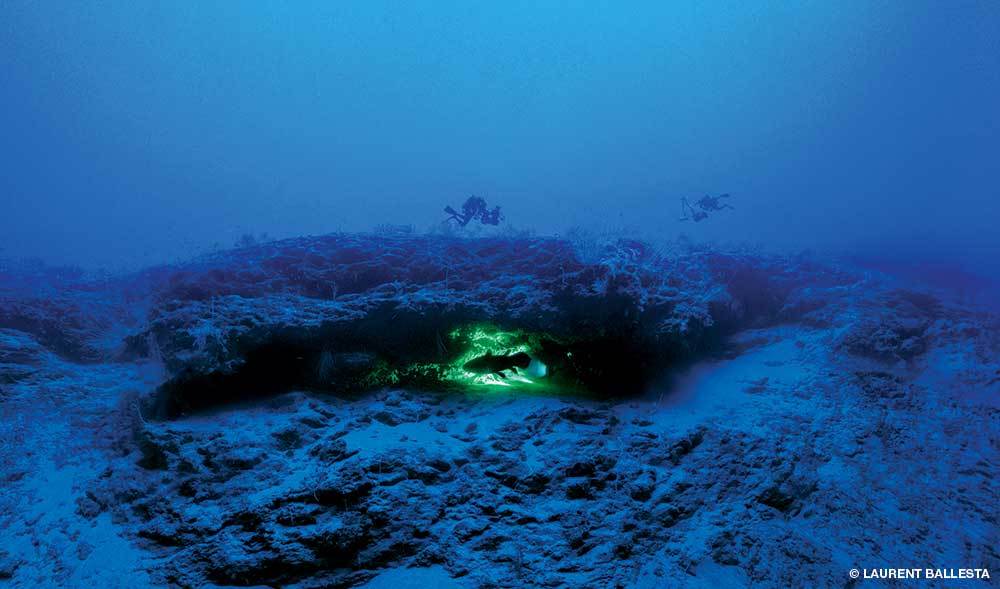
x,y
326,411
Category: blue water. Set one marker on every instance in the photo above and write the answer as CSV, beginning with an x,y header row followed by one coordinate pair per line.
x,y
242,343
143,132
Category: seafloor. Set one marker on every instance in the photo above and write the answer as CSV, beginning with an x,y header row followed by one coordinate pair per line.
x,y
302,414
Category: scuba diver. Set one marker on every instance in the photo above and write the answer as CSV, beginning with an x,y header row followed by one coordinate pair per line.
x,y
707,204
711,203
474,208
689,214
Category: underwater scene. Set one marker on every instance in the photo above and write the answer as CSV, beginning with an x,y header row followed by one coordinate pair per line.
x,y
467,295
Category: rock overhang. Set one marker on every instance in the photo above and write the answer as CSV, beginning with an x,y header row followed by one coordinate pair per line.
x,y
349,313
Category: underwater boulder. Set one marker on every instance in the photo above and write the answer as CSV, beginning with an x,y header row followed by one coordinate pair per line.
x,y
425,311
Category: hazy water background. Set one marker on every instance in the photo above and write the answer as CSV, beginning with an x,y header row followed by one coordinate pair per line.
x,y
139,132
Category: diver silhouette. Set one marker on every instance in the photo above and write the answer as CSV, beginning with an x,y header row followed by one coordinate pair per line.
x,y
711,203
689,214
474,208
706,204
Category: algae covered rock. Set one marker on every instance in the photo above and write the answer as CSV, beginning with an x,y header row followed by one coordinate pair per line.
x,y
348,313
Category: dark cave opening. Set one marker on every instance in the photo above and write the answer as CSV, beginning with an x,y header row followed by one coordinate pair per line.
x,y
354,360
610,350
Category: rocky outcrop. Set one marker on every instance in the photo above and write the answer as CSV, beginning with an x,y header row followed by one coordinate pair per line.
x,y
349,313
475,503
895,330
806,445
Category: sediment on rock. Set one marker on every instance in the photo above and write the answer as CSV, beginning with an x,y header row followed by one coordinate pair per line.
x,y
347,314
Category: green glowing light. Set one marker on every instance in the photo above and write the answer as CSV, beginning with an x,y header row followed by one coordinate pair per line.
x,y
381,375
481,340
504,369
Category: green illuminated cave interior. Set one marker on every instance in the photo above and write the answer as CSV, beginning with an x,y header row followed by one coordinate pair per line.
x,y
473,357
484,340
485,357
501,349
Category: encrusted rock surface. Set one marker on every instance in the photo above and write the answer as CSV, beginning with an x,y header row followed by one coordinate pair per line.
x,y
274,313
821,421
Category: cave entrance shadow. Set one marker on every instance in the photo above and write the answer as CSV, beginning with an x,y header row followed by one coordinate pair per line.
x,y
350,361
